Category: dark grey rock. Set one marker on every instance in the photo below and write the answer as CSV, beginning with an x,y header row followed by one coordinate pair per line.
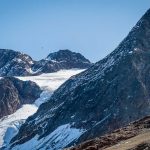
x,y
63,59
13,63
14,93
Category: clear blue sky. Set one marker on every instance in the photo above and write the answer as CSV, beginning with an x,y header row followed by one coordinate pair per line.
x,y
92,27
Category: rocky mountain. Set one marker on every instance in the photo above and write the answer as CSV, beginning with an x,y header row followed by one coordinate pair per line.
x,y
108,95
135,136
14,93
13,63
63,59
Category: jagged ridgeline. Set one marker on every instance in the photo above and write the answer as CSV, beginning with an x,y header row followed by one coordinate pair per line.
x,y
108,95
14,63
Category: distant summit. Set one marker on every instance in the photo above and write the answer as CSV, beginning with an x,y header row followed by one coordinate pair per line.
x,y
13,63
63,59
67,55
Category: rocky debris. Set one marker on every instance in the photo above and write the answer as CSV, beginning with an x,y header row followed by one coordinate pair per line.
x,y
142,146
13,63
14,93
117,136
107,96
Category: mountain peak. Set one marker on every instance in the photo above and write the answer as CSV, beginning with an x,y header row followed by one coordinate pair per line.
x,y
143,26
138,39
147,13
64,50
66,55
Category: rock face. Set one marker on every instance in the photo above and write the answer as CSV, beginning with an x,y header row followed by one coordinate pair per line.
x,y
14,93
109,95
14,63
63,59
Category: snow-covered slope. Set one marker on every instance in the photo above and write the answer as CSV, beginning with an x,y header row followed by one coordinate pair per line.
x,y
9,125
60,137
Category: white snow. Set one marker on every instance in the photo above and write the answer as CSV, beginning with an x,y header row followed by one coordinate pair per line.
x,y
57,140
102,120
28,69
18,60
10,124
130,52
52,81
136,49
49,59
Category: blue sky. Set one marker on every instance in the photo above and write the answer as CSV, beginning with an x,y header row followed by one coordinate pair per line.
x,y
92,27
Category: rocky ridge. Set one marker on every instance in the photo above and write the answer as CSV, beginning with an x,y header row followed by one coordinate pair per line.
x,y
14,93
13,63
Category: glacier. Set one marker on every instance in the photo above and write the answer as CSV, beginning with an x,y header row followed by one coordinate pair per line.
x,y
9,125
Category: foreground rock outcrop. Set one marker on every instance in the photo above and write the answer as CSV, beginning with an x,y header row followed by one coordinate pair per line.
x,y
14,93
107,96
13,63
135,136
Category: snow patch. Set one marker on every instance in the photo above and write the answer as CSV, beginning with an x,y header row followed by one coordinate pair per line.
x,y
101,121
130,52
57,140
51,81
